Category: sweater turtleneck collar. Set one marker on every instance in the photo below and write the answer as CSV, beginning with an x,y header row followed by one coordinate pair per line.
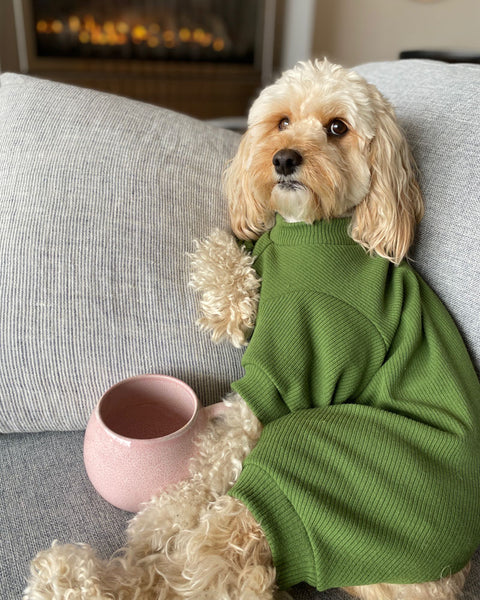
x,y
334,231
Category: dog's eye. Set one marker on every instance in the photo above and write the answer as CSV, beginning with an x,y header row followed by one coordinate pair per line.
x,y
337,127
284,123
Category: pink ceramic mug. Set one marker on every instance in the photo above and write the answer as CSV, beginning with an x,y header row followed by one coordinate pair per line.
x,y
139,438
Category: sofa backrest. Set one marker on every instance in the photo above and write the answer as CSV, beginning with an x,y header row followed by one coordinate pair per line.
x,y
438,108
101,198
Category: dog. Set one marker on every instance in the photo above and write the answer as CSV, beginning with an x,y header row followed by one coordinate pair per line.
x,y
347,454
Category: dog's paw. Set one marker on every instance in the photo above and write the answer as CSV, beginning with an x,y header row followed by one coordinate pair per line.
x,y
66,571
222,272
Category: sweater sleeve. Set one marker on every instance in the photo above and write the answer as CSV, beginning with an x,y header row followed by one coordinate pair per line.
x,y
308,350
353,495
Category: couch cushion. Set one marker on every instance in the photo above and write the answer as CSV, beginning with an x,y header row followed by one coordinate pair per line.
x,y
46,495
100,199
437,105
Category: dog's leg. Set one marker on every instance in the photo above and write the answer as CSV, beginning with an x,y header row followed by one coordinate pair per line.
x,y
221,449
223,274
68,571
153,533
448,588
226,556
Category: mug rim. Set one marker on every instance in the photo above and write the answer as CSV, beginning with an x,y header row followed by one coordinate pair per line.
x,y
162,438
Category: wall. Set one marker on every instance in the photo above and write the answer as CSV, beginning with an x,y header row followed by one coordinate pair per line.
x,y
355,31
298,31
8,39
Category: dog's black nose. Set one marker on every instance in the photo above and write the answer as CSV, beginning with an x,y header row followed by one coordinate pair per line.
x,y
286,161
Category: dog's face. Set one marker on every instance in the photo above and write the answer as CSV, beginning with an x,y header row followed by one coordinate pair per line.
x,y
323,143
311,132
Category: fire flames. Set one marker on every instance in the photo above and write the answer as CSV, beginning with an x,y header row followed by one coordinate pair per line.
x,y
87,30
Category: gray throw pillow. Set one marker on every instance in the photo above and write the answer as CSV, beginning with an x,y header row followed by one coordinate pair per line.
x,y
100,200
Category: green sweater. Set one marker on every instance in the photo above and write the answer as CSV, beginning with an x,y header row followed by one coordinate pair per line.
x,y
368,468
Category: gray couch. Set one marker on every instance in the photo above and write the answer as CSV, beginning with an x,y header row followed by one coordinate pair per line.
x,y
100,199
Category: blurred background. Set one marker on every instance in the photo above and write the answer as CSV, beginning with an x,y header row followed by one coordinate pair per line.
x,y
209,58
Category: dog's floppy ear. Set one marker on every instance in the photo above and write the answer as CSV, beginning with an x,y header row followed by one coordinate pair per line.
x,y
384,222
249,217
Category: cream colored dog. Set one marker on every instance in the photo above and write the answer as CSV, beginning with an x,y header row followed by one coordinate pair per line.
x,y
321,143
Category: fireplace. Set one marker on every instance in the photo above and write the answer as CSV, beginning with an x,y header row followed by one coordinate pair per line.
x,y
203,57
213,31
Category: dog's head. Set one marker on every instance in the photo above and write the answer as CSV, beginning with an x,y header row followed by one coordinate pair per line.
x,y
323,143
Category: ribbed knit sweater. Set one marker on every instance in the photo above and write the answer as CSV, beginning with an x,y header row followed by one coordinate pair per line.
x,y
368,467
